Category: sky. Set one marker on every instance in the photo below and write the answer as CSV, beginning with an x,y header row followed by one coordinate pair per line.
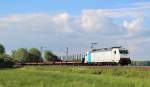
x,y
55,25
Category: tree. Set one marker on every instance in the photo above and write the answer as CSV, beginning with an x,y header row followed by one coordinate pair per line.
x,y
21,55
2,49
13,53
35,55
49,56
6,60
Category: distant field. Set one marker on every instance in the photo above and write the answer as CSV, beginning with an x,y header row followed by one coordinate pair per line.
x,y
64,76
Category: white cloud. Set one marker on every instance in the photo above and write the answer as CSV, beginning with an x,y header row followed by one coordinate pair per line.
x,y
131,10
93,21
134,26
63,17
36,22
62,20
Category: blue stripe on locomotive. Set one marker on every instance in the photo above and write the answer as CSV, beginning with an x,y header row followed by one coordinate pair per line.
x,y
89,58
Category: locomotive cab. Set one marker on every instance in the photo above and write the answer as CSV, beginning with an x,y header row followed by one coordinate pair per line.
x,y
124,57
121,56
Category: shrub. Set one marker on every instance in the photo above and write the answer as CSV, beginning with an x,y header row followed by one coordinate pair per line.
x,y
6,61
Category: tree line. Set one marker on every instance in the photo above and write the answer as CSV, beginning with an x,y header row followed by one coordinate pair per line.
x,y
25,55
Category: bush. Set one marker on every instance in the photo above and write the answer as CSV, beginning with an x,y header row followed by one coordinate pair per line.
x,y
49,56
6,61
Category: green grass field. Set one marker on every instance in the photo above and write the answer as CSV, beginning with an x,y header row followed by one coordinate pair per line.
x,y
63,76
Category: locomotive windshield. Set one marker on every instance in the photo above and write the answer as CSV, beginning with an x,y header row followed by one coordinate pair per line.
x,y
123,51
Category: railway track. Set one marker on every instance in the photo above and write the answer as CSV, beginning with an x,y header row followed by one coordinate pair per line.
x,y
78,64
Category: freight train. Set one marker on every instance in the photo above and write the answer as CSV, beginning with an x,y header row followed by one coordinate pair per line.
x,y
106,56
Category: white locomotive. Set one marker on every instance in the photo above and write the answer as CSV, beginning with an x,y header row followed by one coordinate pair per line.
x,y
113,55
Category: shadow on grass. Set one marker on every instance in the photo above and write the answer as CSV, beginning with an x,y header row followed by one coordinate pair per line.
x,y
11,67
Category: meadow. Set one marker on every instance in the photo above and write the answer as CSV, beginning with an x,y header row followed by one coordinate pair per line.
x,y
74,76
